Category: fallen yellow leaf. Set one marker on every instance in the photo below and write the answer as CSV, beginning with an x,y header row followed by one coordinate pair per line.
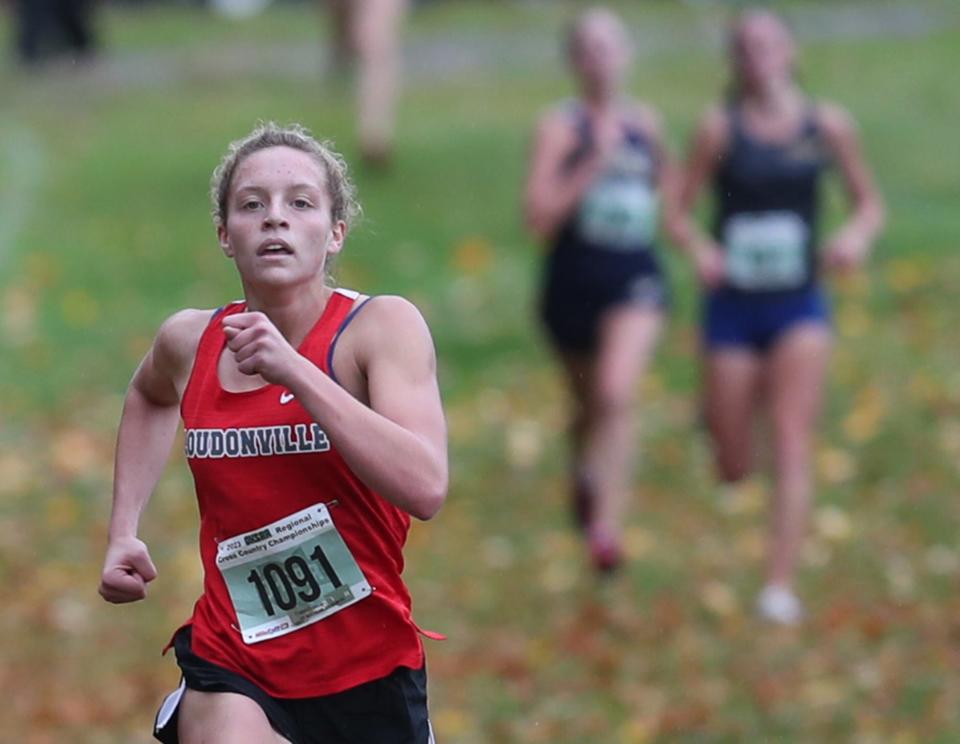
x,y
835,465
832,523
719,598
473,255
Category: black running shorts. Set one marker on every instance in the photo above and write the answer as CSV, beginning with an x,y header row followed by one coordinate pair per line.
x,y
391,710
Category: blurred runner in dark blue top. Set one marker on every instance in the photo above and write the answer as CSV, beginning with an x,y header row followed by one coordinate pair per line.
x,y
592,197
766,323
766,195
603,255
767,205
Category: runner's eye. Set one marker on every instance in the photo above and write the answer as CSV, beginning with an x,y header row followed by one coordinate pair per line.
x,y
301,203
251,204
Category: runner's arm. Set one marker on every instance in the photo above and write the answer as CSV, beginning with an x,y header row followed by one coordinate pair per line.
x,y
397,445
667,174
706,151
851,242
551,194
147,428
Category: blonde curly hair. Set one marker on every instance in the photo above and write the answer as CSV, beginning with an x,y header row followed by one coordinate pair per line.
x,y
343,195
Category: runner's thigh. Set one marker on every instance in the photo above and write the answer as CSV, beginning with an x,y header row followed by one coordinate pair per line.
x,y
211,717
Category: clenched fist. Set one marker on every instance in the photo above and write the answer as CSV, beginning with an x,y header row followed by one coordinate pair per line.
x,y
126,571
259,347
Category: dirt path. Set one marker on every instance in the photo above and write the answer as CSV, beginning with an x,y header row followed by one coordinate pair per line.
x,y
435,57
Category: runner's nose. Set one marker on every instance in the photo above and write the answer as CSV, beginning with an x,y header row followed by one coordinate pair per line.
x,y
274,217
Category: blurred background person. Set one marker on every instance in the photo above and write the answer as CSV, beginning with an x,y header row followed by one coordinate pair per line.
x,y
48,27
367,32
591,197
767,331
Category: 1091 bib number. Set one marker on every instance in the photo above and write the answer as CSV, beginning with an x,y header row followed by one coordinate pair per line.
x,y
285,584
289,574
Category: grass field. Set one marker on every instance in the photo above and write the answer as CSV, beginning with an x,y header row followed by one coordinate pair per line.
x,y
104,231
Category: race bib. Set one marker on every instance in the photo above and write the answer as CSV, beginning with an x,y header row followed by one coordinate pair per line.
x,y
289,574
619,213
766,251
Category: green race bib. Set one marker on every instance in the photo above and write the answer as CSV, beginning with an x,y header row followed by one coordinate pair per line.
x,y
289,574
619,210
619,213
766,251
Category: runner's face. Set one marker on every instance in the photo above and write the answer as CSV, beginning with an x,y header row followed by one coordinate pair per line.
x,y
600,54
279,229
763,53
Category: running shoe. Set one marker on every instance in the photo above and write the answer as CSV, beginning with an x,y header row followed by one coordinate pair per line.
x,y
779,605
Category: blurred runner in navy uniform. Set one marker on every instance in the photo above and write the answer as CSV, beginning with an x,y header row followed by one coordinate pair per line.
x,y
597,168
767,330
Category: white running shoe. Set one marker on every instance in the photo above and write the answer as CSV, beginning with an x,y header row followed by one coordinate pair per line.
x,y
779,605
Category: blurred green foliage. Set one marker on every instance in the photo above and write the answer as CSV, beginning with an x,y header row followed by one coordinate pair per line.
x,y
105,230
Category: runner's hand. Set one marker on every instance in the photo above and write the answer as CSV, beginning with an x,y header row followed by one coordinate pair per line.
x,y
708,260
847,250
259,347
126,571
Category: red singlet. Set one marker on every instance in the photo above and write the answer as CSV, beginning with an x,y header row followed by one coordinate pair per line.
x,y
245,482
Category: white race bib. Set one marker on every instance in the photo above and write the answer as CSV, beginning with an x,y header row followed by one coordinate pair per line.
x,y
766,251
289,574
619,213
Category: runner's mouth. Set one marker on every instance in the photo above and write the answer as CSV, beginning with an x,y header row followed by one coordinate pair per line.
x,y
274,248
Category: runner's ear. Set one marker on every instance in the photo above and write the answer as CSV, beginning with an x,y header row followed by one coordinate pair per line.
x,y
338,234
224,241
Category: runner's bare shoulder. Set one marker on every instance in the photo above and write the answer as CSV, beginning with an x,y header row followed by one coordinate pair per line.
x,y
555,125
835,121
395,325
645,117
713,129
176,342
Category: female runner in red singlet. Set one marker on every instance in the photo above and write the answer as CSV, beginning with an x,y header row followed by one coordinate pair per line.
x,y
314,429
